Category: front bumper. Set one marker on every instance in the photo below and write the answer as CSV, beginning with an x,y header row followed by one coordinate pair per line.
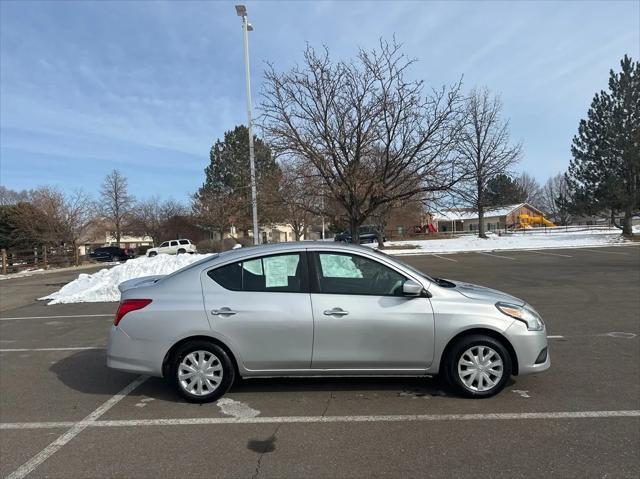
x,y
528,346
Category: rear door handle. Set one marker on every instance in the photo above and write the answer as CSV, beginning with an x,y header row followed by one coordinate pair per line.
x,y
223,312
336,312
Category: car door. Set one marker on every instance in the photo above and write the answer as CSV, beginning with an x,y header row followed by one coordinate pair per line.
x,y
262,306
362,319
173,247
164,247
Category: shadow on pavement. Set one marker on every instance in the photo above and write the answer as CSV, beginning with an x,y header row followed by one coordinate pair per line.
x,y
87,372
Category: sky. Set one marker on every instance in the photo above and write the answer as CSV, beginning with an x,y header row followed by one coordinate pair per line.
x,y
148,86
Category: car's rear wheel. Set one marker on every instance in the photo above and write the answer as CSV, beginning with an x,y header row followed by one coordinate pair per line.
x,y
182,251
478,366
201,371
152,254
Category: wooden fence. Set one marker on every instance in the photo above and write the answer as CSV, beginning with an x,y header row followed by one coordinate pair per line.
x,y
40,257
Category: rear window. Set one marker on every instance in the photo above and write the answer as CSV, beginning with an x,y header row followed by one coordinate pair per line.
x,y
184,241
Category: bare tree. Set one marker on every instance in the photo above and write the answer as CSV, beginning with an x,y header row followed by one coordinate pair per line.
x,y
298,198
485,149
116,203
215,209
530,188
363,127
556,199
12,197
53,218
151,216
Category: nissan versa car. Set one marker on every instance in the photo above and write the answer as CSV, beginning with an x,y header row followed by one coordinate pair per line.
x,y
318,309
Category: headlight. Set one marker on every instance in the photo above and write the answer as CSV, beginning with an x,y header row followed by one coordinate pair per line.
x,y
526,315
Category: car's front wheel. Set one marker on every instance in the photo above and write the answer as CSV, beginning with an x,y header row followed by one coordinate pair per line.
x,y
152,254
201,371
478,366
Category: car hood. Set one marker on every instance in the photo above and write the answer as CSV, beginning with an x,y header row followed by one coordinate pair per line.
x,y
473,291
137,282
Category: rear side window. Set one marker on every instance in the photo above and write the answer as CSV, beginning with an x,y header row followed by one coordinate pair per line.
x,y
174,243
184,241
278,273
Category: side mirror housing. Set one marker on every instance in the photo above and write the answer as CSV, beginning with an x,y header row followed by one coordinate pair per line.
x,y
413,288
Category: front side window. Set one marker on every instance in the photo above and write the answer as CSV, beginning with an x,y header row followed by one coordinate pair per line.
x,y
278,273
164,245
340,273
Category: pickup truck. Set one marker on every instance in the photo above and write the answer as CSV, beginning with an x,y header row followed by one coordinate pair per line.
x,y
178,246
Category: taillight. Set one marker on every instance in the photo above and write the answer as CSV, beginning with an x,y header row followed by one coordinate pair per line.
x,y
129,305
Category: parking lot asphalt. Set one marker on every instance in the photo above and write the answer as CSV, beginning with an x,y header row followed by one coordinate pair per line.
x,y
64,414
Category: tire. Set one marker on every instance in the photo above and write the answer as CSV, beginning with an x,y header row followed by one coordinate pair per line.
x,y
182,251
221,364
112,259
464,355
152,254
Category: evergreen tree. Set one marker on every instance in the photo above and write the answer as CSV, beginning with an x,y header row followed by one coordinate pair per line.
x,y
228,181
604,173
503,190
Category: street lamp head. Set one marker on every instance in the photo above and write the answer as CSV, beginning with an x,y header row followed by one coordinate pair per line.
x,y
241,10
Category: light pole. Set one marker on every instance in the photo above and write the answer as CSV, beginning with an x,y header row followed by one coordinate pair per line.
x,y
241,10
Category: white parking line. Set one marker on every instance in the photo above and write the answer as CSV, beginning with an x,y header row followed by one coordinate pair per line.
x,y
442,257
494,255
546,253
600,250
328,419
29,466
22,350
555,337
60,317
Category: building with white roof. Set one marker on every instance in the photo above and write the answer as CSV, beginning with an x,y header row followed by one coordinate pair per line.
x,y
495,218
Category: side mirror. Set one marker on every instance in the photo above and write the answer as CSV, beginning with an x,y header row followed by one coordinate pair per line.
x,y
412,288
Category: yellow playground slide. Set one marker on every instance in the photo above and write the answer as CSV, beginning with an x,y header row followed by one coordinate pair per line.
x,y
529,221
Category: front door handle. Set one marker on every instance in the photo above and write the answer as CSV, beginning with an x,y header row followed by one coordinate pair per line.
x,y
223,312
336,312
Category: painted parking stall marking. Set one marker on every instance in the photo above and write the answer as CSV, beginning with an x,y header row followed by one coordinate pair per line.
x,y
546,253
247,419
29,466
495,255
110,315
23,350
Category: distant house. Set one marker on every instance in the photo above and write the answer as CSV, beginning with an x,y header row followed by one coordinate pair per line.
x,y
101,233
496,218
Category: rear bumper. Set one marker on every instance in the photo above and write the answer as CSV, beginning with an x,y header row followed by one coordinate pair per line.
x,y
528,346
133,356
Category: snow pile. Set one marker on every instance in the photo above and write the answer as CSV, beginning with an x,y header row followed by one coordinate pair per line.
x,y
103,285
517,241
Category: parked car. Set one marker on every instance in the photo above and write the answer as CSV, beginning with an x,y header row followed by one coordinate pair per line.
x,y
111,253
368,234
178,246
318,309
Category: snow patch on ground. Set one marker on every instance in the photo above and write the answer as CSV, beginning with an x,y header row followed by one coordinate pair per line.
x,y
21,274
103,285
236,409
525,240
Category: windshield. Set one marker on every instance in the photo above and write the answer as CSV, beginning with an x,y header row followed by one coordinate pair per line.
x,y
406,265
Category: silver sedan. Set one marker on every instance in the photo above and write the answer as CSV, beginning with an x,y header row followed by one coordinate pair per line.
x,y
315,309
